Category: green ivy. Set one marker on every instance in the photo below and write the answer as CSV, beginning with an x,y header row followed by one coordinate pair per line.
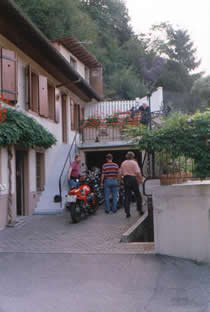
x,y
180,135
18,128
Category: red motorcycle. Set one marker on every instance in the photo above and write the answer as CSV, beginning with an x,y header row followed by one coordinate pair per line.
x,y
82,200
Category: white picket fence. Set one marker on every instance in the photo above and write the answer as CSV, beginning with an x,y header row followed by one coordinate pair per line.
x,y
106,108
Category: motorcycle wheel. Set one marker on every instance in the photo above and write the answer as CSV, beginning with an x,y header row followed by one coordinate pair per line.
x,y
101,201
93,208
75,212
101,198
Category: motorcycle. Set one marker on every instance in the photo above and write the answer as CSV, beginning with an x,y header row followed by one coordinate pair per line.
x,y
84,199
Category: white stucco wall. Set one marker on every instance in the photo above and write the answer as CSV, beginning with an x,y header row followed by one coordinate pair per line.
x,y
80,66
55,156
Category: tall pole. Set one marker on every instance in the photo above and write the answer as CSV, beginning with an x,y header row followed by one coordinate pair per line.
x,y
150,117
150,128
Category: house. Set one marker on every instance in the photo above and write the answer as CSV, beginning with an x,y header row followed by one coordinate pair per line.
x,y
51,82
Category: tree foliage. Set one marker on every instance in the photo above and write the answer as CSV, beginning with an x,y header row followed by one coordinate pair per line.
x,y
106,23
173,43
180,135
201,87
59,18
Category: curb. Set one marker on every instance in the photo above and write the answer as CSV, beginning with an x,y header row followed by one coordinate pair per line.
x,y
48,211
134,230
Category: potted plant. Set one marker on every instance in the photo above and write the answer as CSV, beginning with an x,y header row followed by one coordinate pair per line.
x,y
112,120
94,122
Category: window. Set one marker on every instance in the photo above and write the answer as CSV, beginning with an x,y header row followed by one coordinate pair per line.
x,y
73,62
8,75
40,171
40,94
75,116
34,92
72,114
51,101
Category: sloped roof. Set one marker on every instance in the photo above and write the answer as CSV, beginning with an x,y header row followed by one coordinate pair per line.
x,y
77,49
19,29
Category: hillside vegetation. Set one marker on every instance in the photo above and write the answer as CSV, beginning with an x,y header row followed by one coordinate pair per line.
x,y
127,57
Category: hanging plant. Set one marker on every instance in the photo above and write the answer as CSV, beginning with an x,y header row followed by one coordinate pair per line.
x,y
18,128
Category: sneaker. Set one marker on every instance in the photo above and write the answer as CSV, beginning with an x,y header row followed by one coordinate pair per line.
x,y
106,211
140,212
128,215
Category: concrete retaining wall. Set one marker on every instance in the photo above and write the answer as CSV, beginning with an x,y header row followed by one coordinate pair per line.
x,y
182,221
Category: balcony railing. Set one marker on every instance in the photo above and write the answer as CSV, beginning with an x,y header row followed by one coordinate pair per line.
x,y
97,129
103,134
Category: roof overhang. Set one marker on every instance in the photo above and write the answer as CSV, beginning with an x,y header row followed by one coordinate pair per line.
x,y
77,49
18,29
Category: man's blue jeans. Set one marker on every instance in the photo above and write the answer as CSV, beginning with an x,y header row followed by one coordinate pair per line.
x,y
110,185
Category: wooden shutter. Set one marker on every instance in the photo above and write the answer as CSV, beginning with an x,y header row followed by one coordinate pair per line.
x,y
28,87
51,101
78,117
8,69
72,115
43,97
40,171
82,118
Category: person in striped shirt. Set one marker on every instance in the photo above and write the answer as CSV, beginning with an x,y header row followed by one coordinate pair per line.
x,y
109,178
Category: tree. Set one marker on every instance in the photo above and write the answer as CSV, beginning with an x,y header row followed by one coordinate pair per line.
x,y
126,85
175,44
201,87
59,18
111,16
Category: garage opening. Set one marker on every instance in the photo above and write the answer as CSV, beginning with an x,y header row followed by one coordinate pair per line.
x,y
97,158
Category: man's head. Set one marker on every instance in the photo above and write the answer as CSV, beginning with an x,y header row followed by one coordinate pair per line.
x,y
109,157
130,155
77,158
144,104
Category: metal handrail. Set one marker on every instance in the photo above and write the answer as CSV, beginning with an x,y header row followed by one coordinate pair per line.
x,y
62,171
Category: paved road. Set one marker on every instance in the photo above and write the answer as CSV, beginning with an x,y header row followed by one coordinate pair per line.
x,y
100,233
49,265
101,283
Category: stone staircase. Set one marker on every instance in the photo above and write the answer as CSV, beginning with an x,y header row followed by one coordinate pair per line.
x,y
46,204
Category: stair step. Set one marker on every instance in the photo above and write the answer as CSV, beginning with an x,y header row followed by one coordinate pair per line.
x,y
48,211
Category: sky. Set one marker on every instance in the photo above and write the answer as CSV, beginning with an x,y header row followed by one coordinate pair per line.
x,y
194,16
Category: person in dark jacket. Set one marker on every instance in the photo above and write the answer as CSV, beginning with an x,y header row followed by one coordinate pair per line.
x,y
145,113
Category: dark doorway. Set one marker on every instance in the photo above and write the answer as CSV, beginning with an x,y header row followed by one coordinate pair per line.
x,y
20,182
97,158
